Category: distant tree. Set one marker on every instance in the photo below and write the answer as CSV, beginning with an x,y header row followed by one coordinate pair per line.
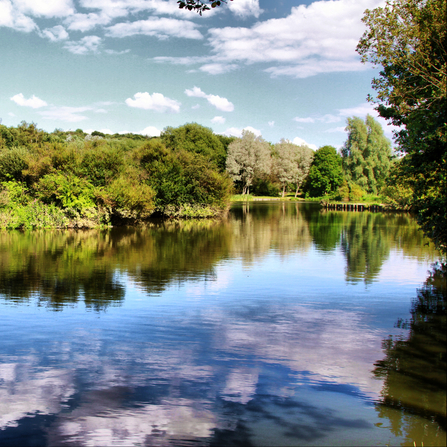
x,y
366,154
248,156
193,137
292,163
325,174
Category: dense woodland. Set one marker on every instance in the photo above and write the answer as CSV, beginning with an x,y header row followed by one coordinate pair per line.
x,y
74,179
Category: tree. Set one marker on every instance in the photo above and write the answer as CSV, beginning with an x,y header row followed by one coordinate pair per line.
x,y
198,5
325,174
193,137
407,38
248,156
292,163
366,154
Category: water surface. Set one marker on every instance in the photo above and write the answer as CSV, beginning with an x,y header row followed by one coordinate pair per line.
x,y
281,325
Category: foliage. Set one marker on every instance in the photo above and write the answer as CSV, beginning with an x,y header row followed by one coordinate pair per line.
x,y
248,156
366,154
199,6
292,164
413,370
193,137
131,196
12,163
407,38
95,179
67,191
180,177
325,174
102,165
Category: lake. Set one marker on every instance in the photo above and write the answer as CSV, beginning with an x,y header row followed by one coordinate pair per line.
x,y
282,325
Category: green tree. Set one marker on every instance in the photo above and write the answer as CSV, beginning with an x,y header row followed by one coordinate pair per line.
x,y
407,39
292,163
366,154
248,156
193,137
325,174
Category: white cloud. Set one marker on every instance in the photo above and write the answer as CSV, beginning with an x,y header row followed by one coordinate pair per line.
x,y
117,52
317,38
215,100
86,22
216,68
67,114
162,28
220,103
300,142
12,18
55,34
237,132
156,102
245,8
33,102
88,44
45,8
151,131
218,120
271,123
304,120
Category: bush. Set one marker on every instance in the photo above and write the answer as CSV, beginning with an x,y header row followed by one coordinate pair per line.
x,y
67,191
101,166
12,163
130,196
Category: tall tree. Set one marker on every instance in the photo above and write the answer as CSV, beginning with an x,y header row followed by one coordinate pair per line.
x,y
193,137
246,157
407,38
326,173
366,154
292,163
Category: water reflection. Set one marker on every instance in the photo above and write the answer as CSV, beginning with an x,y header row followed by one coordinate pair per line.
x,y
414,369
242,365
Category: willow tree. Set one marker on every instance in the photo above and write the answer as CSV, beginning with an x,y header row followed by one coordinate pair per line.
x,y
407,39
292,164
248,156
366,154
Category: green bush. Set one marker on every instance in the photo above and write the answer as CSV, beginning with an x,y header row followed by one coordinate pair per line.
x,y
102,165
130,196
66,190
12,163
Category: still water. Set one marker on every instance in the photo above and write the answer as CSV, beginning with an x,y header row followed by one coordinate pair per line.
x,y
282,325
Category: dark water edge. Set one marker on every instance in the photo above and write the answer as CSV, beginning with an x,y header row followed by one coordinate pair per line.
x,y
281,325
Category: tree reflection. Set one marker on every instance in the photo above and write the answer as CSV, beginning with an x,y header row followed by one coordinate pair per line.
x,y
414,370
63,267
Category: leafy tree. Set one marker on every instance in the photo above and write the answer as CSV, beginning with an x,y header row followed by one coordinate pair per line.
x,y
292,163
248,156
325,174
199,6
366,154
407,39
193,137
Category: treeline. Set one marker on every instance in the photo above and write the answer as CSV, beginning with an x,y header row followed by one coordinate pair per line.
x,y
72,179
364,169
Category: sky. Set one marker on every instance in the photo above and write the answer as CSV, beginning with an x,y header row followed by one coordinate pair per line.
x,y
282,69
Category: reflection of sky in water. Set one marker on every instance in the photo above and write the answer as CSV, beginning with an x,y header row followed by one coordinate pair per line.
x,y
277,351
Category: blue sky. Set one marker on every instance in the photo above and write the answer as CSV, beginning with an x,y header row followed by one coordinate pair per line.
x,y
284,69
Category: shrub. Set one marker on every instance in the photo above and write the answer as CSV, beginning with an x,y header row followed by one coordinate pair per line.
x,y
67,191
12,163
